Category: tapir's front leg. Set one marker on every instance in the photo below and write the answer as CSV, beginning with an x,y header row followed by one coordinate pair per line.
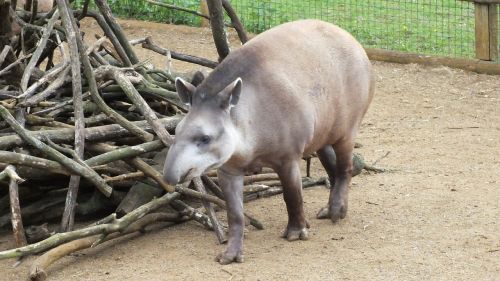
x,y
232,187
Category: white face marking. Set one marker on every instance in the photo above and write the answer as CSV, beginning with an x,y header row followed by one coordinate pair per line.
x,y
200,145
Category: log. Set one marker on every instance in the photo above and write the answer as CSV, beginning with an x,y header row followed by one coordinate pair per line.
x,y
69,24
94,134
117,30
108,228
217,24
75,167
235,21
108,71
38,270
150,45
474,65
219,231
15,209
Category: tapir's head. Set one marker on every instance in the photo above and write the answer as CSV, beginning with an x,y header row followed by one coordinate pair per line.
x,y
205,138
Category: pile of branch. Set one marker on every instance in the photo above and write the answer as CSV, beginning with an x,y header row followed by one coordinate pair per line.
x,y
84,130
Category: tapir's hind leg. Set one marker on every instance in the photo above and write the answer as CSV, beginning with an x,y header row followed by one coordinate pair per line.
x,y
289,174
337,161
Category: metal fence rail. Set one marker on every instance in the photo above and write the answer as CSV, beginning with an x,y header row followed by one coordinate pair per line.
x,y
437,27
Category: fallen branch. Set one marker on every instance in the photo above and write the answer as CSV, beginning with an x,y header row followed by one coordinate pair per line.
x,y
94,134
38,270
150,45
89,174
108,228
173,7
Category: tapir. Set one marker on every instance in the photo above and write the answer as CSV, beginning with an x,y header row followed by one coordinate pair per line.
x,y
298,88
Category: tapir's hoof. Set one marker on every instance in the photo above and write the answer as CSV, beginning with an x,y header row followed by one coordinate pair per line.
x,y
335,212
227,258
295,234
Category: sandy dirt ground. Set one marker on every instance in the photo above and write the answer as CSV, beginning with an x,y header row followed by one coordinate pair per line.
x,y
436,217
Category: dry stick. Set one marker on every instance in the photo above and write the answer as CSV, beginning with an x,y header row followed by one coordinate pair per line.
x,y
260,191
48,77
217,24
38,52
10,172
114,153
84,10
39,267
128,88
212,186
59,105
124,177
14,64
114,226
15,209
173,7
235,21
112,37
89,174
192,213
95,134
219,202
51,89
32,161
7,49
136,162
260,177
164,136
117,30
148,44
113,115
71,33
219,231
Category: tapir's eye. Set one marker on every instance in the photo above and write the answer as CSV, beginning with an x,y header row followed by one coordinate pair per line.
x,y
205,139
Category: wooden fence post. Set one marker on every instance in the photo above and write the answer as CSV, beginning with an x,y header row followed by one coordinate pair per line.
x,y
486,30
493,27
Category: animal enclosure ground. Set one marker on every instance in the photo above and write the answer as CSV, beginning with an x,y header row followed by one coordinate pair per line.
x,y
436,217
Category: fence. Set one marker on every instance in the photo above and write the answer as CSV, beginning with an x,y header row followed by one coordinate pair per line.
x,y
434,27
460,29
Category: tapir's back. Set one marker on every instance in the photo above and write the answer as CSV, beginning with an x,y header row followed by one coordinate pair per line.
x,y
300,79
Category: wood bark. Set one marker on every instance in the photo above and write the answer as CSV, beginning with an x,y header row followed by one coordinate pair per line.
x,y
217,24
235,21
108,228
56,155
15,209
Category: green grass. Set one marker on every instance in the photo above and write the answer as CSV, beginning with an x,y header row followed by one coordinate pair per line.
x,y
435,27
438,27
142,10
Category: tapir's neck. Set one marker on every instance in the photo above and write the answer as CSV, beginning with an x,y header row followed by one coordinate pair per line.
x,y
241,143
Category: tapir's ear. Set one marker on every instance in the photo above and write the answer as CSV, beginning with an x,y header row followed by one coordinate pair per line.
x,y
198,77
185,90
231,94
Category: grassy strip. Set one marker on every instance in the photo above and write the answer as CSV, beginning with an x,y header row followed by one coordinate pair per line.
x,y
444,27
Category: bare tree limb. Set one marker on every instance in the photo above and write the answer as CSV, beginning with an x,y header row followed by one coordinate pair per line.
x,y
56,155
217,24
108,228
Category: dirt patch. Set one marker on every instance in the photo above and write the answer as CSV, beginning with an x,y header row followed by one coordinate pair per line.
x,y
436,217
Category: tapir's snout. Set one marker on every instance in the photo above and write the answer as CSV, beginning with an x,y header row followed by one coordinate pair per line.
x,y
171,171
170,177
179,166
